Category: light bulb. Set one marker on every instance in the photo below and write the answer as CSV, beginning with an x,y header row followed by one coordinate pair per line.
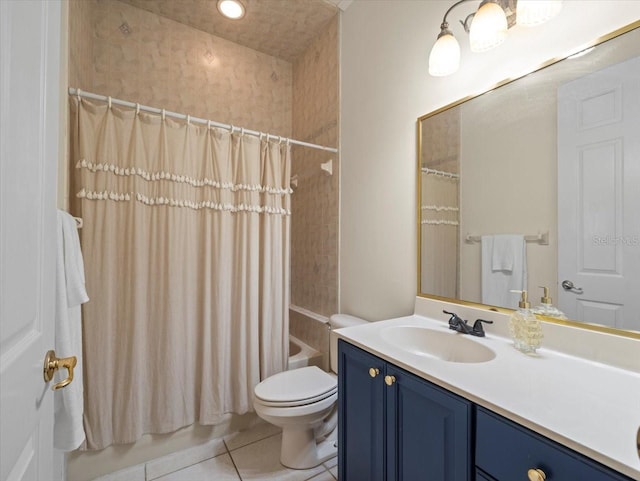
x,y
530,13
232,9
444,58
488,27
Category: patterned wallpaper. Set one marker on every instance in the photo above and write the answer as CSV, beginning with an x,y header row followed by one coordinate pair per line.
x,y
314,223
282,28
142,57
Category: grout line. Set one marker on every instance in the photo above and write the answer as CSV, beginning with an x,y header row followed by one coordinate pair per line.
x,y
252,442
233,461
146,476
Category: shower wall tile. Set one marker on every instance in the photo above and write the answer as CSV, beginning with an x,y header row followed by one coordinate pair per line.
x,y
125,52
80,43
310,331
314,223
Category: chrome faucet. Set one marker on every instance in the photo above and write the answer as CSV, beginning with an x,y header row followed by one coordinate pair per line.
x,y
456,323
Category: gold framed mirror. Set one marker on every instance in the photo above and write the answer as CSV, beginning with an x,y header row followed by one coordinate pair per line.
x,y
550,159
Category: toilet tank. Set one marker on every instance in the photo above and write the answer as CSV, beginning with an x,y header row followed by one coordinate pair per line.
x,y
338,321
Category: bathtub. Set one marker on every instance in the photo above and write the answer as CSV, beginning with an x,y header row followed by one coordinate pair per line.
x,y
301,355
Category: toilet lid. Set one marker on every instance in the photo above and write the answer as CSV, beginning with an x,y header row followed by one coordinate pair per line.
x,y
299,386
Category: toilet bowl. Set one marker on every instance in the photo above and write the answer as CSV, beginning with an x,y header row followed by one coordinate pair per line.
x,y
303,402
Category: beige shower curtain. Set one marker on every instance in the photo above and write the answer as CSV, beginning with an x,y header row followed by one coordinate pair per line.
x,y
440,235
186,248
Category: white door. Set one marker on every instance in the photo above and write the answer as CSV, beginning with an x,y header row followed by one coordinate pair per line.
x,y
599,196
29,130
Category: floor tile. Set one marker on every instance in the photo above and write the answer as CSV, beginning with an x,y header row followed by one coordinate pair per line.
x,y
260,461
220,468
324,476
256,433
334,471
185,458
331,463
134,473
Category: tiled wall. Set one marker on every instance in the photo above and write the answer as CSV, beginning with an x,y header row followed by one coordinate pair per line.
x,y
81,44
135,55
314,225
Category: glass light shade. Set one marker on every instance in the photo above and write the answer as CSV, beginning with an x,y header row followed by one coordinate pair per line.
x,y
530,13
232,9
444,58
488,27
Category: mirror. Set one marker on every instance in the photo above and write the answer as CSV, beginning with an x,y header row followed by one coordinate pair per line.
x,y
552,160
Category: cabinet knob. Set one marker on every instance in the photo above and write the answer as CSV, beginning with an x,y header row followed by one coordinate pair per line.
x,y
536,475
374,371
389,380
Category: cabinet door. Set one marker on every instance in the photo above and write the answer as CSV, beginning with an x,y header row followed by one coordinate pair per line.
x,y
428,431
360,415
480,476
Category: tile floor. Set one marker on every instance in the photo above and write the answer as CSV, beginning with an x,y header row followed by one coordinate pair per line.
x,y
248,455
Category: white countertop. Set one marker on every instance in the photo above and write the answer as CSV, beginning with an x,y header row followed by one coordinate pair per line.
x,y
590,407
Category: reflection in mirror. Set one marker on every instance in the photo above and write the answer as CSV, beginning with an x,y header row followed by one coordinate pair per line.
x,y
535,183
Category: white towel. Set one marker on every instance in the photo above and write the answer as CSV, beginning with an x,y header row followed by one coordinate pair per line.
x,y
504,251
70,294
504,268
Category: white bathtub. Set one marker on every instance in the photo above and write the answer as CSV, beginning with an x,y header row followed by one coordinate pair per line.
x,y
301,354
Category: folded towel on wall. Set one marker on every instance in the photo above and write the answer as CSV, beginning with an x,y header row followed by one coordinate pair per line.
x,y
70,294
504,268
504,251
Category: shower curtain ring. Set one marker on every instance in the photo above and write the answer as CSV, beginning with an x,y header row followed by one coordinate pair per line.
x,y
188,119
232,127
208,124
137,109
78,91
164,114
242,132
109,100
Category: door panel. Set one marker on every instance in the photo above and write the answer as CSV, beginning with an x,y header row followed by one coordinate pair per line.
x,y
29,130
598,196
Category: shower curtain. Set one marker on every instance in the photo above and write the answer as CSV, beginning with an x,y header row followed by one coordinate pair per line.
x,y
186,249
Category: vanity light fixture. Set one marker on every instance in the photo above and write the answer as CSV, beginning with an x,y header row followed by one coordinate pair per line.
x,y
531,13
232,9
487,28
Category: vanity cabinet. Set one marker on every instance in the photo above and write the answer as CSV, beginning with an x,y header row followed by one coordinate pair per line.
x,y
395,426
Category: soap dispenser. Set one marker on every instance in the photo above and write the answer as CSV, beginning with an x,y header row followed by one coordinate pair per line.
x,y
546,308
525,327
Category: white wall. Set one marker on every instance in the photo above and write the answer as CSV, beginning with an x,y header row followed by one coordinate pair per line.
x,y
385,86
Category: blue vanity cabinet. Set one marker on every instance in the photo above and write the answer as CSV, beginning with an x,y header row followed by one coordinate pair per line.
x,y
395,426
506,451
361,407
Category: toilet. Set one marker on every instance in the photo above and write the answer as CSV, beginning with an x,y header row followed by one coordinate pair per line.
x,y
303,402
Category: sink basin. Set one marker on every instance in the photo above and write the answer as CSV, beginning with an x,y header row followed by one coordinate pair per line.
x,y
444,345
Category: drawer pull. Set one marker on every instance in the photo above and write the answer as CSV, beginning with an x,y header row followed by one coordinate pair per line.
x,y
374,371
536,475
389,380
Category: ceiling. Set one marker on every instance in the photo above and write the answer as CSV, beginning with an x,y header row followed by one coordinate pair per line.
x,y
281,28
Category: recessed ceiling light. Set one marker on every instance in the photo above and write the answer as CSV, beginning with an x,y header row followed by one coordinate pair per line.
x,y
232,9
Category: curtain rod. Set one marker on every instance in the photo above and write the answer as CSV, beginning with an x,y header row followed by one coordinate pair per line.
x,y
232,128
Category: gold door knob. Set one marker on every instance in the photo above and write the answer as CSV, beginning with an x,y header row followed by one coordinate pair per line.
x,y
389,380
536,475
52,364
374,371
